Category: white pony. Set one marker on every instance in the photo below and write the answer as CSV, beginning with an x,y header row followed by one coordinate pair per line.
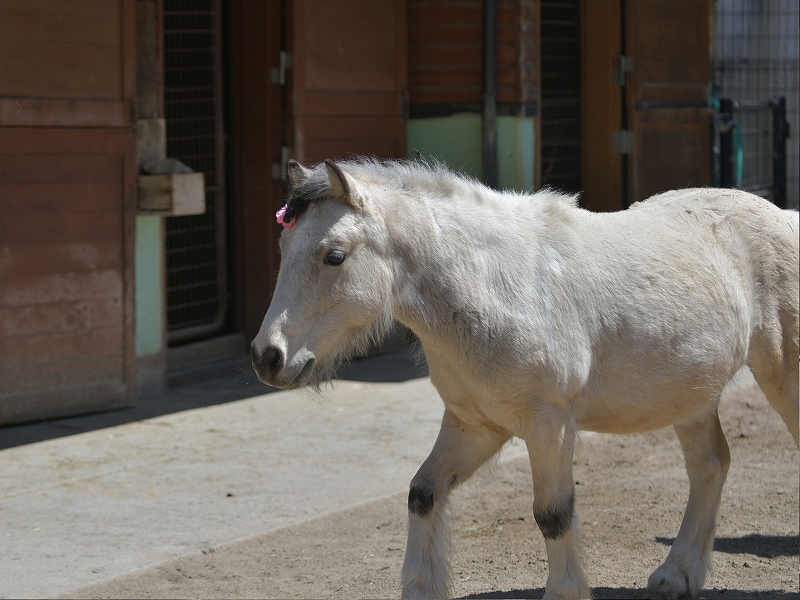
x,y
539,319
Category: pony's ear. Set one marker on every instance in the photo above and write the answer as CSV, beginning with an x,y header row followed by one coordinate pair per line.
x,y
295,172
344,186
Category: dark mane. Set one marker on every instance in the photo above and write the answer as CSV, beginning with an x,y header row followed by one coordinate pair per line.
x,y
428,177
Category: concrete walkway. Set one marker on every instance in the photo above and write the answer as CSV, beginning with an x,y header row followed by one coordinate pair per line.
x,y
87,499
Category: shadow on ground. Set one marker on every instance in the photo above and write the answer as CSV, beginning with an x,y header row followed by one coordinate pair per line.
x,y
765,546
208,385
606,593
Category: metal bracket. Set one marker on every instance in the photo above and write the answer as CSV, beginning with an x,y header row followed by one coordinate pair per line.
x,y
625,66
624,141
278,74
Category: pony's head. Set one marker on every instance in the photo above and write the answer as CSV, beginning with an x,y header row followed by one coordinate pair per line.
x,y
333,295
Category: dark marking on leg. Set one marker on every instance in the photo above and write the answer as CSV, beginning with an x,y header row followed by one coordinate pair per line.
x,y
453,480
556,520
421,499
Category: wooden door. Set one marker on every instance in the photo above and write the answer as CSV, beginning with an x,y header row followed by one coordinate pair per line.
x,y
349,78
601,105
257,136
666,95
67,207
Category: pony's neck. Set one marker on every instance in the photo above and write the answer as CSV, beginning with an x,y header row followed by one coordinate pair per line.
x,y
441,273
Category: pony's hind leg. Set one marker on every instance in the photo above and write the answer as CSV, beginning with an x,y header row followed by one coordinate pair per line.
x,y
707,459
775,340
773,360
459,450
782,393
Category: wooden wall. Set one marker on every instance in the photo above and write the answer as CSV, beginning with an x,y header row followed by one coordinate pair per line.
x,y
445,52
668,40
349,101
67,204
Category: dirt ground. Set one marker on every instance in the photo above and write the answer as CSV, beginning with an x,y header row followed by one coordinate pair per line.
x,y
631,493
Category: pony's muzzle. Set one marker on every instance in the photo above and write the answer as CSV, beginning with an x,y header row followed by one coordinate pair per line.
x,y
267,363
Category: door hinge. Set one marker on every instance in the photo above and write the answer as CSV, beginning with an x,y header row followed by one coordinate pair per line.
x,y
278,74
279,169
624,141
625,66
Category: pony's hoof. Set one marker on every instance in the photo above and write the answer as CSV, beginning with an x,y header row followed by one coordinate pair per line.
x,y
667,583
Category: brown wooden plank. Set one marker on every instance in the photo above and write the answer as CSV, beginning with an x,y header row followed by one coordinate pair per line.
x,y
444,56
668,40
61,317
671,157
60,197
48,348
51,404
362,63
61,50
669,43
257,129
364,79
459,94
61,70
73,21
32,259
442,75
601,110
44,228
351,103
332,137
676,92
61,287
128,49
71,372
47,168
426,13
54,140
446,34
35,112
65,182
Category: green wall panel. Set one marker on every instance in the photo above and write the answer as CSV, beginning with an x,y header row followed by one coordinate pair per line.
x,y
149,282
457,141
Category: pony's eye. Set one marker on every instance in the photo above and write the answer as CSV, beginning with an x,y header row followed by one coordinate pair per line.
x,y
334,258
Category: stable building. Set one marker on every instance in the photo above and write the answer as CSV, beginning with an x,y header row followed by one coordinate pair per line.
x,y
143,146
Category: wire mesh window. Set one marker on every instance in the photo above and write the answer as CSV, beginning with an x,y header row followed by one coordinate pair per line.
x,y
756,52
560,80
195,245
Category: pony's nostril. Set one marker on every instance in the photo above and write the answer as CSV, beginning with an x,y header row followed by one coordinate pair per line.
x,y
267,363
274,360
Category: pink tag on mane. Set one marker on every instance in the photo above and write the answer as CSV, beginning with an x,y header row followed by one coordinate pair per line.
x,y
280,216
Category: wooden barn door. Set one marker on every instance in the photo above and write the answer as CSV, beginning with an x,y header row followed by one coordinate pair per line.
x,y
349,78
666,95
67,207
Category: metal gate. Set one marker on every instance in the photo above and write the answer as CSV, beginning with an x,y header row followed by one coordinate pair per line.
x,y
756,59
560,115
752,147
195,245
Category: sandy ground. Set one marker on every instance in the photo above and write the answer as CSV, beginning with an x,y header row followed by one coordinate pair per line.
x,y
631,493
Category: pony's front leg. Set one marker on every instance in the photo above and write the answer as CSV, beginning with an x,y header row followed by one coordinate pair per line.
x,y
707,461
459,450
550,448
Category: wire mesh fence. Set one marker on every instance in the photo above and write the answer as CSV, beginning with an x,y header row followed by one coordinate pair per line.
x,y
561,110
756,58
195,245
